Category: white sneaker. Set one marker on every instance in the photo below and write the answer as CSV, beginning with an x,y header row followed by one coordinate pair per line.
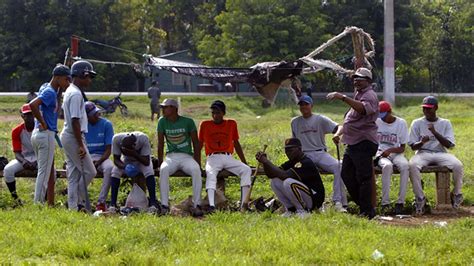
x,y
287,214
339,208
302,214
420,206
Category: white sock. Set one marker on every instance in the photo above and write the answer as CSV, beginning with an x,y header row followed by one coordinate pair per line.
x,y
210,194
244,192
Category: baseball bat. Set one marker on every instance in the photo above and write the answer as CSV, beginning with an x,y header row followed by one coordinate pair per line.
x,y
254,177
88,202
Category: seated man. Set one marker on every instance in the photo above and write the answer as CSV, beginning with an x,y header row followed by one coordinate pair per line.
x,y
311,129
297,184
430,136
392,134
180,133
99,143
220,136
133,148
25,157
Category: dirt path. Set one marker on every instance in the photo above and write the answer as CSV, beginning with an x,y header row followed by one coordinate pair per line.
x,y
440,218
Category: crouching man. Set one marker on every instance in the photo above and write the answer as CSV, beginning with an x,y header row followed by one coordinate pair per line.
x,y
297,183
133,148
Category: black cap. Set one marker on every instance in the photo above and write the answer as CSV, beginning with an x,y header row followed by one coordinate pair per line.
x,y
292,142
218,104
61,70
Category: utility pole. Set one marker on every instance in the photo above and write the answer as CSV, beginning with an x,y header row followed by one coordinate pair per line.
x,y
389,54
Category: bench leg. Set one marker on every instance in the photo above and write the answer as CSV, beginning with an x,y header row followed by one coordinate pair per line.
x,y
443,199
221,184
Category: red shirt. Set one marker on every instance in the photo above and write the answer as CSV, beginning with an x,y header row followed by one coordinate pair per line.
x,y
218,137
21,141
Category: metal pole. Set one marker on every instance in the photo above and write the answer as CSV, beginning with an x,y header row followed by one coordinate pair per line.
x,y
389,54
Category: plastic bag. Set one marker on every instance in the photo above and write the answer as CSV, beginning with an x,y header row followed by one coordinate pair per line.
x,y
137,198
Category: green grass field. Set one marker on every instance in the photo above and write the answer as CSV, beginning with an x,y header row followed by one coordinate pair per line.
x,y
35,234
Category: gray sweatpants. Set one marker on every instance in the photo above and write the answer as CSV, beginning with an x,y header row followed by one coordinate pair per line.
x,y
106,168
292,193
76,169
328,163
43,144
13,167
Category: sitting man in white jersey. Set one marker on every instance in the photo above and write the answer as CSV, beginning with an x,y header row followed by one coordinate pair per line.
x,y
311,130
25,157
430,137
99,143
392,134
133,148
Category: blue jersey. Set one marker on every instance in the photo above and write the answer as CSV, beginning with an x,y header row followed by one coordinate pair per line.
x,y
49,106
99,135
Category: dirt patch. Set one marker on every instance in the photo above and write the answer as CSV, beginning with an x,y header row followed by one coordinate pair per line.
x,y
10,118
440,218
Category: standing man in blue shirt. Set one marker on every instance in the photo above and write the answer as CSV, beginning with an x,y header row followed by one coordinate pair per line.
x,y
45,110
99,143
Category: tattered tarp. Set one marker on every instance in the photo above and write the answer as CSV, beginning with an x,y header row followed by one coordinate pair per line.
x,y
258,75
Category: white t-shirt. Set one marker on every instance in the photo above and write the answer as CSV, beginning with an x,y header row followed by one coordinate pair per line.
x,y
311,131
419,128
391,135
74,107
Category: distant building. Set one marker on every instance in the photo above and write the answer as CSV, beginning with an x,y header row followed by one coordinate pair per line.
x,y
172,82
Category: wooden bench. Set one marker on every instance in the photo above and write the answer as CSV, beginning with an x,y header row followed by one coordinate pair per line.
x,y
443,174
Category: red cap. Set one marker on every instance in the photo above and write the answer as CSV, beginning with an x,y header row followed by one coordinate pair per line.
x,y
25,109
384,107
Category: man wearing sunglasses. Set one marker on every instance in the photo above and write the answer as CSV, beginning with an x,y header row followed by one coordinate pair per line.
x,y
79,163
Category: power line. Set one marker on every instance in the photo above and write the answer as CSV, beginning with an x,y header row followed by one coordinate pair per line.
x,y
108,46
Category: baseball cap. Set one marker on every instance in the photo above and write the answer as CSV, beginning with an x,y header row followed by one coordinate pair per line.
x,y
429,102
91,109
219,105
363,73
169,102
61,70
25,109
292,142
305,99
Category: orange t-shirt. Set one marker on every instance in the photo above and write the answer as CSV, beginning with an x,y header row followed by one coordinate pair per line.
x,y
218,137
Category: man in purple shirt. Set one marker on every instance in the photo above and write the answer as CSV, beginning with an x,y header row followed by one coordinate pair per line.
x,y
359,133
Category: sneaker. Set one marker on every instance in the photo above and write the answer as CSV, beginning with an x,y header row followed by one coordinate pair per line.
x,y
420,206
399,208
100,206
17,203
457,200
339,208
385,210
287,214
165,210
211,209
197,211
152,209
302,214
112,209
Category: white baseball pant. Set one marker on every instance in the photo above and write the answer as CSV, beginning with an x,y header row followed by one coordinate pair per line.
x,y
76,170
386,164
13,167
43,144
218,162
325,161
438,158
292,193
106,168
180,161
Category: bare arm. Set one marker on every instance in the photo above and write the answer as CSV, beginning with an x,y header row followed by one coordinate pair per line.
x,y
356,105
161,145
196,148
271,170
389,151
444,141
337,136
417,145
239,151
34,105
106,155
118,162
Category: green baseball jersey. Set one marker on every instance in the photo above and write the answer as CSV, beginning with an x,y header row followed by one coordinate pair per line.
x,y
177,134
